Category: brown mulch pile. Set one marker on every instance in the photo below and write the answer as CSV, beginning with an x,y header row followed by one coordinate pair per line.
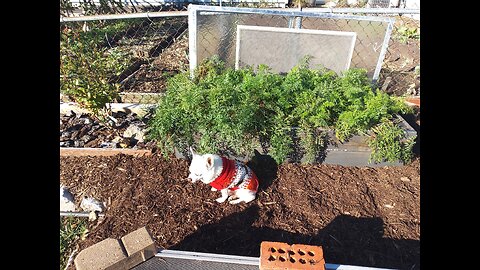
x,y
359,215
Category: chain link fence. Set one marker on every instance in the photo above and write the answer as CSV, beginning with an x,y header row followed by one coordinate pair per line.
x,y
140,51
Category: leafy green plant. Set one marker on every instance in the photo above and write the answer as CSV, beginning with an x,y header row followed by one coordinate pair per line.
x,y
405,33
87,67
390,143
223,109
71,229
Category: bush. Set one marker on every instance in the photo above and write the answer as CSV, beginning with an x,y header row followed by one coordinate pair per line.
x,y
226,110
87,66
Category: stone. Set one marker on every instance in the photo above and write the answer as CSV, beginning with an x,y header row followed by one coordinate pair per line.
x,y
89,204
134,131
67,202
139,245
107,254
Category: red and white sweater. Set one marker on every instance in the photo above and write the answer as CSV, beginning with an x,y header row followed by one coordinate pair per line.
x,y
235,175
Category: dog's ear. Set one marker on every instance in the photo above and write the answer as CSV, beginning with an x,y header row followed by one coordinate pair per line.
x,y
209,162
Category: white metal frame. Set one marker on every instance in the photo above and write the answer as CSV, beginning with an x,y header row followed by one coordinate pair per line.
x,y
353,35
194,10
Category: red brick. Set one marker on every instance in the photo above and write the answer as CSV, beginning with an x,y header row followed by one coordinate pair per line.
x,y
278,255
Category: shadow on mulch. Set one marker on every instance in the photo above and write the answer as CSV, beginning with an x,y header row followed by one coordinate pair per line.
x,y
346,240
265,168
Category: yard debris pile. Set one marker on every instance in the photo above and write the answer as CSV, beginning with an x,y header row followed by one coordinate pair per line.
x,y
123,130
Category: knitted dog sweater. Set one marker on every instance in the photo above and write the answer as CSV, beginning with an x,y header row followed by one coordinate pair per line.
x,y
235,175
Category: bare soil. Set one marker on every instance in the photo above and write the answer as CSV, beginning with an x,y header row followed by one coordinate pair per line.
x,y
359,215
152,77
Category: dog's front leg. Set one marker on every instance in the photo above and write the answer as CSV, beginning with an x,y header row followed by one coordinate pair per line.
x,y
224,195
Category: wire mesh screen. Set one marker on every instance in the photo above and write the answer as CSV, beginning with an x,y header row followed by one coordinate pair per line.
x,y
214,32
217,33
329,49
157,263
370,38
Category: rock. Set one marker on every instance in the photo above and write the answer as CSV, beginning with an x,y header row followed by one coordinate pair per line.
x,y
84,131
135,132
65,136
352,2
77,143
109,145
405,179
68,143
117,139
92,143
86,138
91,205
411,90
92,216
66,200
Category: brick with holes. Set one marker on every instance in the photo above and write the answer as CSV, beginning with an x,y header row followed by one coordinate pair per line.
x,y
278,255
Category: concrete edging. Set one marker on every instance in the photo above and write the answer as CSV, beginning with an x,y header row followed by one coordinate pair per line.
x,y
125,253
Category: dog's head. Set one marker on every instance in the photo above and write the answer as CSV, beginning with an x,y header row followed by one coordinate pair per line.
x,y
202,168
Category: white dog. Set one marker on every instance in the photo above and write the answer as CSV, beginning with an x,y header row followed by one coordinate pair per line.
x,y
233,178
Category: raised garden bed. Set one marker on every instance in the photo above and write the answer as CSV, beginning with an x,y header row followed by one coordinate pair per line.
x,y
359,215
79,129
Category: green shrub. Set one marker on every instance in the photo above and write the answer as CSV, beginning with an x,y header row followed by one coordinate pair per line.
x,y
226,110
87,66
389,143
405,33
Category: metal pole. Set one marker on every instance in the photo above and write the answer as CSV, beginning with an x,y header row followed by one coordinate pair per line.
x,y
192,38
78,214
383,50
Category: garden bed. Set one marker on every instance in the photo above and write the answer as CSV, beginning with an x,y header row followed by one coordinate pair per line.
x,y
79,129
360,215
